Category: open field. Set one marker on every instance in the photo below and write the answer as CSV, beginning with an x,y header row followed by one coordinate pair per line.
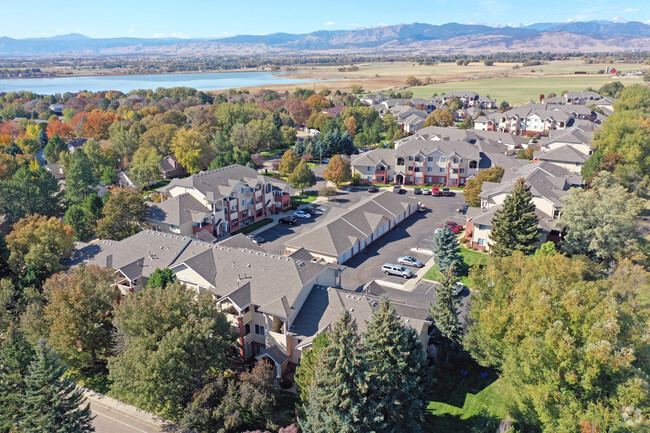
x,y
500,81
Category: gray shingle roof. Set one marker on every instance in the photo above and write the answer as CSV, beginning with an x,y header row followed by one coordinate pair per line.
x,y
561,154
179,210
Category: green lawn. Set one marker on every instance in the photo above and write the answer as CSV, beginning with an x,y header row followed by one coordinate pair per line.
x,y
254,226
467,404
470,258
308,197
519,90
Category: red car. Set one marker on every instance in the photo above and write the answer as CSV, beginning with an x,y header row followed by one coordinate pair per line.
x,y
453,226
435,191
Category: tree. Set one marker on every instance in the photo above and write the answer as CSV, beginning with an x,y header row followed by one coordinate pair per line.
x,y
399,378
473,187
411,81
108,175
318,102
13,149
4,257
304,376
79,219
42,138
338,170
467,123
60,129
611,89
356,89
15,356
440,117
122,215
145,166
289,162
446,252
299,110
79,180
192,150
38,245
599,222
351,125
52,400
338,396
172,338
514,226
31,191
54,148
97,123
124,141
302,177
161,278
158,136
327,191
445,313
79,309
288,135
567,342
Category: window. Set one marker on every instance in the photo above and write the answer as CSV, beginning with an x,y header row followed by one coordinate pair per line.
x,y
462,170
233,195
430,158
233,207
429,169
255,307
388,168
259,329
247,329
410,158
481,242
243,202
369,168
472,165
268,187
442,159
482,227
441,169
409,168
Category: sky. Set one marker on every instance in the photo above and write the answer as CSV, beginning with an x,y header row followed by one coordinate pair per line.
x,y
219,18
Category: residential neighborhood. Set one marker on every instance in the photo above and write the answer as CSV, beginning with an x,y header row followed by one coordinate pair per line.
x,y
376,244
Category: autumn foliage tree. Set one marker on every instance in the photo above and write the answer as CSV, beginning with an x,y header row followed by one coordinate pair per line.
x,y
61,129
440,117
97,123
299,110
338,170
473,187
192,150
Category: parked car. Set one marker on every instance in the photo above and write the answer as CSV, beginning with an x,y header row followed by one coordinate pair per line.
x,y
398,270
257,239
435,191
417,191
372,189
421,207
463,208
301,214
397,188
291,220
446,192
409,261
426,191
453,226
458,289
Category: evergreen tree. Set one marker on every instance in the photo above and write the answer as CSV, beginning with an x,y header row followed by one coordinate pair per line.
x,y
308,361
79,179
514,226
81,221
347,144
4,256
446,252
399,379
338,396
13,149
445,313
42,138
94,205
15,356
54,148
299,148
52,401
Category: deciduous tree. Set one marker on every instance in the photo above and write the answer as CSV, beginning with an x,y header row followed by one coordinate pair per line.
x,y
31,191
473,187
54,148
78,310
289,162
439,117
192,150
338,170
302,177
161,278
122,215
80,181
145,167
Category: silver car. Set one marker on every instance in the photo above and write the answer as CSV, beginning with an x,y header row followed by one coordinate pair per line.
x,y
398,270
409,261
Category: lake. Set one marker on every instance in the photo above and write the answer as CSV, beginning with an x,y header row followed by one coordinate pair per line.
x,y
126,83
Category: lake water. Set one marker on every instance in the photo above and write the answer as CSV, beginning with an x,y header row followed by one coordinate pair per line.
x,y
126,83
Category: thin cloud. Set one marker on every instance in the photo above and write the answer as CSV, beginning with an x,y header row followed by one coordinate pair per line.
x,y
631,10
329,23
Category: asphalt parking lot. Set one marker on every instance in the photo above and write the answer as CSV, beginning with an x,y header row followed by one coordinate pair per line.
x,y
416,231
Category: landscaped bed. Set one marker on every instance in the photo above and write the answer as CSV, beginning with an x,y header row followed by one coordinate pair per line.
x,y
254,226
470,258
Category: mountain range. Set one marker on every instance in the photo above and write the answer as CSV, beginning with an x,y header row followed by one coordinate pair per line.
x,y
416,38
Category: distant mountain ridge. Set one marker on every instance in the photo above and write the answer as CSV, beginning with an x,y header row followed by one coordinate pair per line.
x,y
588,36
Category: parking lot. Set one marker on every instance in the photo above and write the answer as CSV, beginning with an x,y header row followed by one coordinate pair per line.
x,y
416,231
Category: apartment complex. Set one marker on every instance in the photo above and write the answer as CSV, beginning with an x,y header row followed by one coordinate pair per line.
x,y
218,201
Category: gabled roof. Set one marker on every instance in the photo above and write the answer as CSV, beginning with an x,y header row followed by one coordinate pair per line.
x,y
335,236
179,210
561,154
374,157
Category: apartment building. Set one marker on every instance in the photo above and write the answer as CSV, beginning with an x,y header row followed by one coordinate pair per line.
x,y
219,201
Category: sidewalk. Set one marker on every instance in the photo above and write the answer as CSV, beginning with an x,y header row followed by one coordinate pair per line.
x,y
133,412
411,283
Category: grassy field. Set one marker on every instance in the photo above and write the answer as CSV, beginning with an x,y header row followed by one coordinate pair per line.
x,y
470,258
518,90
308,197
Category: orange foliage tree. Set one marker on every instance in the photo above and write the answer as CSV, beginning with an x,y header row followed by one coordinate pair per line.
x,y
97,124
61,129
318,102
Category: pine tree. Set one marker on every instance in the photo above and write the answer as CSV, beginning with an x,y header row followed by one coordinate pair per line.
x,y
446,252
514,226
399,379
13,149
52,401
338,396
54,148
445,313
308,360
80,181
15,357
42,138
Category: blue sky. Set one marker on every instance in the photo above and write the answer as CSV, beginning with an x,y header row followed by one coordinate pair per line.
x,y
218,18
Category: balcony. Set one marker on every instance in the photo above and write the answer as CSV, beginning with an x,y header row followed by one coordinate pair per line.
x,y
258,193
